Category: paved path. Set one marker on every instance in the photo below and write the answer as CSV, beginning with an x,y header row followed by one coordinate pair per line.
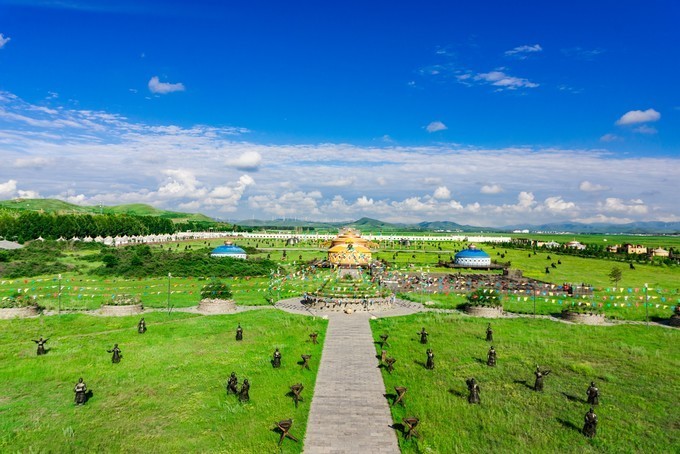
x,y
349,413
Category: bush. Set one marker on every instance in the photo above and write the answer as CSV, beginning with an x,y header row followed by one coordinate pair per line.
x,y
123,300
216,289
484,297
18,300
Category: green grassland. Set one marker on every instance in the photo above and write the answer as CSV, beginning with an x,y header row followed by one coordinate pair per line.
x,y
82,289
168,392
635,368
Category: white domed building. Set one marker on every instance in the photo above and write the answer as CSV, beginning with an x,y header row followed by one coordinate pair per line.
x,y
472,257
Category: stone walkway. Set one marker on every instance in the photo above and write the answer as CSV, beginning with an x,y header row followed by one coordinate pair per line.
x,y
349,413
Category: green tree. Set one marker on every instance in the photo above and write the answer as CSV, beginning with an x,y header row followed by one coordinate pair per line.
x,y
216,289
615,275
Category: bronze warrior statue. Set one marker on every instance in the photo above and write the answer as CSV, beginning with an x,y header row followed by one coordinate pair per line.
x,y
313,337
244,395
80,391
489,333
41,345
590,424
276,360
239,333
491,357
115,358
141,326
593,394
232,384
538,384
430,359
423,336
473,388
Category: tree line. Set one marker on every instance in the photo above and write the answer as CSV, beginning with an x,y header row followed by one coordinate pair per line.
x,y
31,225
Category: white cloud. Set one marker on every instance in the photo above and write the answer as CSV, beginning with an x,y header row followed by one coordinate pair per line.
x,y
644,129
491,189
249,160
504,81
162,88
609,138
521,52
442,193
436,126
602,219
638,116
587,186
558,205
87,157
8,189
617,205
340,182
37,162
4,40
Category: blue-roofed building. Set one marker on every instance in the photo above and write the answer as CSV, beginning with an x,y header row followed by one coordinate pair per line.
x,y
229,249
472,257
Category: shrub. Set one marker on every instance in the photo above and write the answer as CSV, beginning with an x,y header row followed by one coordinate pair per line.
x,y
216,289
484,297
123,300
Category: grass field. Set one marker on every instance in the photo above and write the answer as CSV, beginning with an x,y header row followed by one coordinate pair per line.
x,y
635,368
168,392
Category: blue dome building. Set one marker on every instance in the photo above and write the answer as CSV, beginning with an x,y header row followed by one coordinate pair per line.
x,y
229,249
472,257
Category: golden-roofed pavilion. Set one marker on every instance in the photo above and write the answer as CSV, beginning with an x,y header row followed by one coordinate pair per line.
x,y
348,249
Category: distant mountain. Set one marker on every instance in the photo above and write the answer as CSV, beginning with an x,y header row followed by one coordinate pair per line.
x,y
61,207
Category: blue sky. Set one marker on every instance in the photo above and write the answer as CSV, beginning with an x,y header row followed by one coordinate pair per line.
x,y
486,114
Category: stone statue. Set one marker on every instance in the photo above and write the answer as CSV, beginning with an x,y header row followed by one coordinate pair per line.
x,y
489,333
423,336
411,424
390,364
593,394
141,326
232,384
244,395
115,358
538,384
491,357
80,390
296,389
239,333
430,359
473,388
590,424
313,337
276,360
41,345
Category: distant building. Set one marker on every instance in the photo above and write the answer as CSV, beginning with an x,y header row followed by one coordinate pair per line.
x,y
660,252
472,257
634,248
575,245
613,248
229,249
